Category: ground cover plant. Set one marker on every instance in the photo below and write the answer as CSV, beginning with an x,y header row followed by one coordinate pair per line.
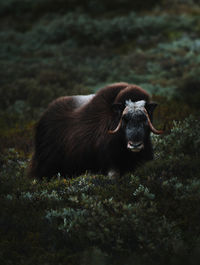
x,y
50,49
156,208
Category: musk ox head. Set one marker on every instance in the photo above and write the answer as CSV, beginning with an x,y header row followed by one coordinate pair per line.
x,y
135,123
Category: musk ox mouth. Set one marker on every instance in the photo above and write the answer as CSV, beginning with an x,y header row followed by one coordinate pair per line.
x,y
135,146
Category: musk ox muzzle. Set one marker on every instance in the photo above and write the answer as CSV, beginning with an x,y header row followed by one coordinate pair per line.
x,y
135,146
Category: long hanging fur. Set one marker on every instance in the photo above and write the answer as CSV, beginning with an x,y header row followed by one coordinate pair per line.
x,y
72,136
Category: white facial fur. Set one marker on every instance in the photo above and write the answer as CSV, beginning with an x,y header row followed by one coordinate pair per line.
x,y
135,106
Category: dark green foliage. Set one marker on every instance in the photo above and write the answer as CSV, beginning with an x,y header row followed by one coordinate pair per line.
x,y
97,7
54,48
189,88
73,52
153,213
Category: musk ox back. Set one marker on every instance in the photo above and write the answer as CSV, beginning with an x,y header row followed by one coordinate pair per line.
x,y
100,133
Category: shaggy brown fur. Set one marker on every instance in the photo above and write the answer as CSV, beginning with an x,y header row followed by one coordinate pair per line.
x,y
72,139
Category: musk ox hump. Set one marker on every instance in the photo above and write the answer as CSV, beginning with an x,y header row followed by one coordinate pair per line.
x,y
81,100
133,93
70,103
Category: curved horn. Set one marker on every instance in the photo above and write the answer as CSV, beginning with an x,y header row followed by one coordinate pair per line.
x,y
151,125
119,124
117,129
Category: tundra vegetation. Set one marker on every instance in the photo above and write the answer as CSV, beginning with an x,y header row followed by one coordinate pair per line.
x,y
54,48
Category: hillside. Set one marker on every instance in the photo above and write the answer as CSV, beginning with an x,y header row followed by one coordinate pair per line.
x,y
54,48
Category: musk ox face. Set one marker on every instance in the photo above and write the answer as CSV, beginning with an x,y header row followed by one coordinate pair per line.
x,y
135,124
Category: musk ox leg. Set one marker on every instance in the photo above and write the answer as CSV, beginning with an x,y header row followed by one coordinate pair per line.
x,y
34,169
44,166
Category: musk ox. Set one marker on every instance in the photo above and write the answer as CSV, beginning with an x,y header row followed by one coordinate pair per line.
x,y
107,133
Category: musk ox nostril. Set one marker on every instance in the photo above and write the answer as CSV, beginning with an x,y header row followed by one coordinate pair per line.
x,y
135,146
130,144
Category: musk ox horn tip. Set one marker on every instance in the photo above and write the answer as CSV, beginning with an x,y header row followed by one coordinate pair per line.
x,y
111,132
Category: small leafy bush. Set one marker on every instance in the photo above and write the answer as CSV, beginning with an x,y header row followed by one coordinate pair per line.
x,y
151,216
72,47
94,7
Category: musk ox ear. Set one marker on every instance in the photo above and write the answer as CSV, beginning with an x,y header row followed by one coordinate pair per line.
x,y
150,107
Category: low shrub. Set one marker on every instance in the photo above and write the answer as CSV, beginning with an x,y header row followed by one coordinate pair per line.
x,y
151,216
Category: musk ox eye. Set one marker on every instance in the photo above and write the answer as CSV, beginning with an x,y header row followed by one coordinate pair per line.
x,y
125,118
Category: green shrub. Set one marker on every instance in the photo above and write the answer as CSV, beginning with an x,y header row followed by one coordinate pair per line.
x,y
75,53
14,7
50,49
151,216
